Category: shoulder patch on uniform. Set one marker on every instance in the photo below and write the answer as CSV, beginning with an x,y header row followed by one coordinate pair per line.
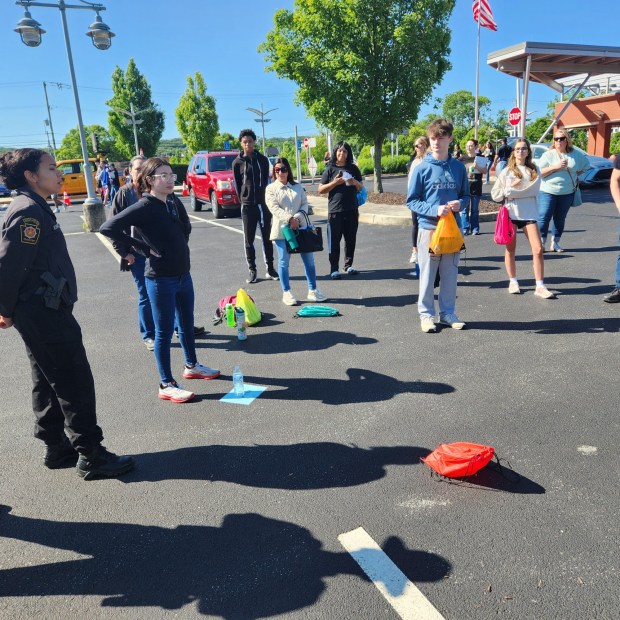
x,y
30,230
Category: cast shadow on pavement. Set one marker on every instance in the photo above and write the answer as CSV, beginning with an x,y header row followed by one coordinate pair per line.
x,y
389,301
490,479
270,343
299,466
249,567
555,326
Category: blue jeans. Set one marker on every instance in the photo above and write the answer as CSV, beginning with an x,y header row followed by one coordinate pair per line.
x,y
556,207
145,314
284,259
470,219
172,297
501,164
488,171
448,267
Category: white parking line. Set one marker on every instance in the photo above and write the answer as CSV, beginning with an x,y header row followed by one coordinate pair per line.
x,y
108,244
237,230
408,602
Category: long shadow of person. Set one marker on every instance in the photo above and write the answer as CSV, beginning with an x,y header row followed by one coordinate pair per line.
x,y
361,386
297,466
248,568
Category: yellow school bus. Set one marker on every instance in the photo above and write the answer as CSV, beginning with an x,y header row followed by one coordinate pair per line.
x,y
73,174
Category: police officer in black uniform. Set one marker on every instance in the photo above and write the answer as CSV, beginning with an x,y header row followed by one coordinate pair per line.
x,y
37,292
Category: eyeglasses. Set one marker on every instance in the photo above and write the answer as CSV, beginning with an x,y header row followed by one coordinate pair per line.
x,y
521,148
166,177
281,169
419,146
559,138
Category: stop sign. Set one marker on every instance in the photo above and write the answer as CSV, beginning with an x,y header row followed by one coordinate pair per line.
x,y
514,116
305,143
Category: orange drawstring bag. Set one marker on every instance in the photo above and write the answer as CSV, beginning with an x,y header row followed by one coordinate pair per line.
x,y
459,460
447,238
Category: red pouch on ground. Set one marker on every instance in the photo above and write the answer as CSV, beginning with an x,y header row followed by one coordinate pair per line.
x,y
459,460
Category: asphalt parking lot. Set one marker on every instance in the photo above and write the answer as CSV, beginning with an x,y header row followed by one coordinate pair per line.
x,y
235,511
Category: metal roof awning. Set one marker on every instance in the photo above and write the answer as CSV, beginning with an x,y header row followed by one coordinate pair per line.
x,y
550,62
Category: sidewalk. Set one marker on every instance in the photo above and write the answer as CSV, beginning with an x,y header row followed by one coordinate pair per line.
x,y
384,215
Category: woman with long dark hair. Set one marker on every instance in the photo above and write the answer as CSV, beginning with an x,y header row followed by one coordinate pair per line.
x,y
341,181
38,289
287,202
518,185
163,230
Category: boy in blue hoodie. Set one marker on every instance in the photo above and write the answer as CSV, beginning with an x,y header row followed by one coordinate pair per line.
x,y
436,187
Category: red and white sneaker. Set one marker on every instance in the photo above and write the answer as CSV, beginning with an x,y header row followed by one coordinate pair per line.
x,y
174,392
198,371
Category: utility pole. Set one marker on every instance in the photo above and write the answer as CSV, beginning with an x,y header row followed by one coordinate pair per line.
x,y
49,109
262,120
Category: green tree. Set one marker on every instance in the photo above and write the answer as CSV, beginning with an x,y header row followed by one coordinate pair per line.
x,y
71,147
535,129
363,67
196,117
130,87
459,108
220,138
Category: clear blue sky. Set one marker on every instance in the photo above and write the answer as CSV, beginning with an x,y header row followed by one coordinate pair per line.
x,y
170,40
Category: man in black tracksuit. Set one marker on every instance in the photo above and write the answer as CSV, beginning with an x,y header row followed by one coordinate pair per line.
x,y
251,171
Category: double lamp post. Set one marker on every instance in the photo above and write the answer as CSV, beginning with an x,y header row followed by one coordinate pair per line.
x,y
31,33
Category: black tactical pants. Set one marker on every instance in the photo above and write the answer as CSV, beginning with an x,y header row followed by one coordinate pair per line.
x,y
63,392
253,216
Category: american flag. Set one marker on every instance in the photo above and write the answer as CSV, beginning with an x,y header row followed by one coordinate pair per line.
x,y
483,14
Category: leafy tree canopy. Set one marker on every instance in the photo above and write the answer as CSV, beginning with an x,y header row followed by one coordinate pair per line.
x,y
71,147
459,108
130,87
363,67
196,118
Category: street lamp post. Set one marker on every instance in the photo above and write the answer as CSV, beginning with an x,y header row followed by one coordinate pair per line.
x,y
262,120
31,32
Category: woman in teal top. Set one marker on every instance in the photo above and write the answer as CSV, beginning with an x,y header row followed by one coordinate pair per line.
x,y
560,167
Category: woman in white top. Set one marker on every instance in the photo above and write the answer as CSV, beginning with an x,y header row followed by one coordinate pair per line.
x,y
287,201
518,185
421,146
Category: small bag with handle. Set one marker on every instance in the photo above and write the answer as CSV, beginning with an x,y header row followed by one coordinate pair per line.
x,y
309,238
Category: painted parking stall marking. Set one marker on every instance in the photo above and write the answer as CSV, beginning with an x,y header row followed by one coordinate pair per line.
x,y
250,394
408,602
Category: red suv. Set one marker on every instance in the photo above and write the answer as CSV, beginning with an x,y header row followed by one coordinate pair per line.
x,y
210,179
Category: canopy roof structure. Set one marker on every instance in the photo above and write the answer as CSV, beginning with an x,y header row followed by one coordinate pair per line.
x,y
548,63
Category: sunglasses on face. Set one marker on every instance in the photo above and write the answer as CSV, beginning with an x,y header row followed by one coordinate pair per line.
x,y
559,139
281,169
419,146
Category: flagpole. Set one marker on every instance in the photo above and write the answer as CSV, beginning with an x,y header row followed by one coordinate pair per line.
x,y
477,76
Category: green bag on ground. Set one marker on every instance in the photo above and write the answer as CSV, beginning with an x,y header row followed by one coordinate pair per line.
x,y
309,311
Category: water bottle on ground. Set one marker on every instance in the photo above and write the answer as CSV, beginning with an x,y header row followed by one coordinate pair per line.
x,y
240,315
230,315
238,387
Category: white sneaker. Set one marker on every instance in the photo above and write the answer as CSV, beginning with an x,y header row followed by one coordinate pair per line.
x,y
316,295
452,320
428,325
555,246
288,298
544,293
413,259
198,371
513,288
174,392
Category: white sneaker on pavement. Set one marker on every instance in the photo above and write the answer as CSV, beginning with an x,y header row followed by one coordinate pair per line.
x,y
288,298
513,288
174,392
198,371
428,325
452,320
413,259
316,295
544,293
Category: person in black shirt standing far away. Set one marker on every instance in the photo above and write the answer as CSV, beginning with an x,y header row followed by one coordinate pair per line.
x,y
251,172
37,291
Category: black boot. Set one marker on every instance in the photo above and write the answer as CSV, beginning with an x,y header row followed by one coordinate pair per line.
x,y
60,455
102,463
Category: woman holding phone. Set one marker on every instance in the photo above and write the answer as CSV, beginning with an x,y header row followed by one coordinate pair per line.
x,y
341,181
560,166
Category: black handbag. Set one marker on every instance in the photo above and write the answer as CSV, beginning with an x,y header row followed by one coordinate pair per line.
x,y
309,239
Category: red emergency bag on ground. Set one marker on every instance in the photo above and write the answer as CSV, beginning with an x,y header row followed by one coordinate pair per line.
x,y
459,460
